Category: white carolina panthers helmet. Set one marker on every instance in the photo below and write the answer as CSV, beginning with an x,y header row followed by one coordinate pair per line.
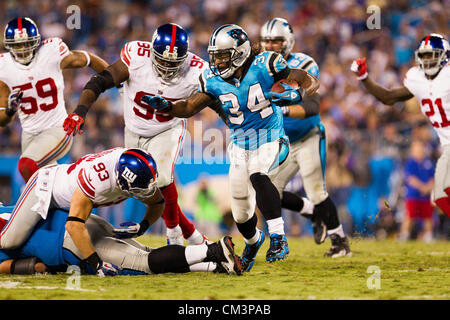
x,y
278,29
232,41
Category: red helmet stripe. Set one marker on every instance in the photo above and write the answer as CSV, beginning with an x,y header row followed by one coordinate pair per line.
x,y
143,159
426,39
172,40
19,24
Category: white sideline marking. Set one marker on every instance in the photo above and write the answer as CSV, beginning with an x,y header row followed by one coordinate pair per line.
x,y
17,285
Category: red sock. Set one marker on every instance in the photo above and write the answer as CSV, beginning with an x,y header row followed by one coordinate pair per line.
x,y
27,167
186,226
170,214
444,205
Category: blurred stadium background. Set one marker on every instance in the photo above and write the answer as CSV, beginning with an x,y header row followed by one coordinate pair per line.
x,y
368,142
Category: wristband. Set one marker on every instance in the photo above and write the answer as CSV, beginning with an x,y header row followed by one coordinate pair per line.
x,y
94,261
285,111
364,76
81,110
10,112
144,225
88,58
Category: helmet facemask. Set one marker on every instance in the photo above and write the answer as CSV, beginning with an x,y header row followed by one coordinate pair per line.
x,y
283,48
430,61
167,65
22,49
224,62
135,192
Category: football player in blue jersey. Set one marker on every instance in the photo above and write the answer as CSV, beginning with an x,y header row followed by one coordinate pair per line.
x,y
241,81
307,146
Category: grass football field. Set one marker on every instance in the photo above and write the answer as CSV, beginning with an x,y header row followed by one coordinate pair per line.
x,y
378,270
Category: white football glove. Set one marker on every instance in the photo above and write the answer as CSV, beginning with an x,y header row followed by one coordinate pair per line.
x,y
107,270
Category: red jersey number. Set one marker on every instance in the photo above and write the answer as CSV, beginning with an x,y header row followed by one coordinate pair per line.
x,y
430,112
196,62
45,88
150,112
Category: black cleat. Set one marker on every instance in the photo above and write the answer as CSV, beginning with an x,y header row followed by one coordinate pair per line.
x,y
339,247
320,231
222,253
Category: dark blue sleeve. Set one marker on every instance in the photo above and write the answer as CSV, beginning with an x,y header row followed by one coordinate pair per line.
x,y
409,168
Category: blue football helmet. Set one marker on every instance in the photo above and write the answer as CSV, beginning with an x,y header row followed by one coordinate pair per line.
x,y
136,173
228,49
433,53
21,39
170,46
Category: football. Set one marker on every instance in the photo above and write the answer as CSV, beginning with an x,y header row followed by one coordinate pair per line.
x,y
277,87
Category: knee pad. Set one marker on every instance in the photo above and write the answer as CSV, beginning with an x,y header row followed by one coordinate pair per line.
x,y
27,167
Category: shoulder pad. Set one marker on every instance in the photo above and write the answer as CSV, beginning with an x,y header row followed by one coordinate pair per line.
x,y
56,46
136,53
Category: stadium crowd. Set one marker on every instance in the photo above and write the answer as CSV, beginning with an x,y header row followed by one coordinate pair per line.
x,y
368,142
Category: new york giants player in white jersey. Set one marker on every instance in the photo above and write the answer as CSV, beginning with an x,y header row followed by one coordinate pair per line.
x,y
32,84
429,83
308,147
242,80
97,180
163,67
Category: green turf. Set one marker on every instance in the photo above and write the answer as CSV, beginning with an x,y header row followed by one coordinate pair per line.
x,y
411,270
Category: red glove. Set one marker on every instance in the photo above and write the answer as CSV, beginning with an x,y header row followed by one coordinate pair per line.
x,y
359,67
73,124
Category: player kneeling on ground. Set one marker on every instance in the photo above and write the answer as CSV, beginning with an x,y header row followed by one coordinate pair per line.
x,y
100,179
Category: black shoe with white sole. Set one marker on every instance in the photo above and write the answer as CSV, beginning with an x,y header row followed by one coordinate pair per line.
x,y
320,231
222,252
339,247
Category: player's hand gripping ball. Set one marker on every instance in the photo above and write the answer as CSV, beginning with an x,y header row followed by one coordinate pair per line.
x,y
285,92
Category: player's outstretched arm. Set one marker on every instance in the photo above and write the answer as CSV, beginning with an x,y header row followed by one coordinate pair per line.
x,y
81,58
182,108
386,96
112,76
